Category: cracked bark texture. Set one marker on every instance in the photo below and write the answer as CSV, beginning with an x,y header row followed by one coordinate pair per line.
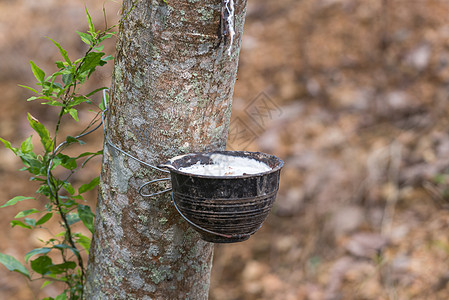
x,y
171,94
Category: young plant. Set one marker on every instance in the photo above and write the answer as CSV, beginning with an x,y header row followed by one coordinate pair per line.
x,y
61,90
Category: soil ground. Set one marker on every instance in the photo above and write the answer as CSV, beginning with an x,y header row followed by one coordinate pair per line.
x,y
351,94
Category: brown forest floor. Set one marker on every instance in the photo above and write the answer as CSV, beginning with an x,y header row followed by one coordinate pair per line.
x,y
352,94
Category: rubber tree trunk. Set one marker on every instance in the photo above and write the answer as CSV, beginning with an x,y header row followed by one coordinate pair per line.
x,y
171,94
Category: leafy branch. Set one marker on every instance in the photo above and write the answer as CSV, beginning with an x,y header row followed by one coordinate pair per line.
x,y
62,90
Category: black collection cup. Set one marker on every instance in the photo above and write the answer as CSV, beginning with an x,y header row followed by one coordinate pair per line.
x,y
228,208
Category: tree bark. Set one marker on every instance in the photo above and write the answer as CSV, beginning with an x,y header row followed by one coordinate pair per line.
x,y
171,94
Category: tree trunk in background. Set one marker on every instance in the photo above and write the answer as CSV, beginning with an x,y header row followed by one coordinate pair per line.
x,y
171,94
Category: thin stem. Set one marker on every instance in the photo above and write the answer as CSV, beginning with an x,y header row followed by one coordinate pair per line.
x,y
58,124
69,236
105,18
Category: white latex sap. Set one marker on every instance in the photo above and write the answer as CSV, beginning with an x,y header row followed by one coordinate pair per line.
x,y
226,165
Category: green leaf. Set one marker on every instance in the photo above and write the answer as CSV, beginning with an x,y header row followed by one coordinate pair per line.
x,y
61,268
42,264
86,38
8,146
50,88
43,190
106,36
47,282
38,179
107,58
70,164
65,161
91,61
62,51
72,140
86,216
29,88
99,48
78,100
96,91
60,64
15,200
25,213
62,296
33,252
13,264
89,21
68,202
89,186
52,102
38,73
15,223
31,222
74,113
42,131
27,145
83,240
78,197
44,219
64,246
41,97
67,79
100,152
33,162
69,188
73,218
101,106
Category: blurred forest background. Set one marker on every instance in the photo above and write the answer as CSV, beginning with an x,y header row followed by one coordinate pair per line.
x,y
351,94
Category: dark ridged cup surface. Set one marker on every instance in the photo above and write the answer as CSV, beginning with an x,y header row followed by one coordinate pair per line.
x,y
232,206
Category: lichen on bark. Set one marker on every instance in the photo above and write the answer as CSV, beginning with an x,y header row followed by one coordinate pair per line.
x,y
171,94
